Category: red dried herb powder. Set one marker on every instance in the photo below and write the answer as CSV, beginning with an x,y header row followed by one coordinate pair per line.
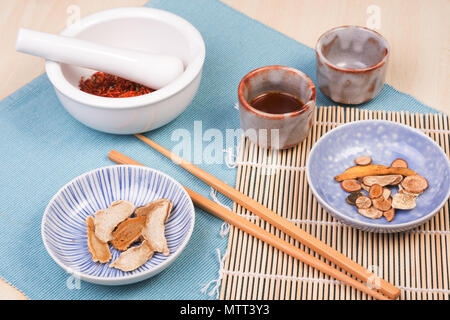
x,y
106,85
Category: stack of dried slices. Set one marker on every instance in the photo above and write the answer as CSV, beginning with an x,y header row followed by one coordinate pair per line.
x,y
122,226
369,184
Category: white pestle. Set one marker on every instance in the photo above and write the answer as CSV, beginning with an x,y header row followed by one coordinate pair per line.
x,y
152,70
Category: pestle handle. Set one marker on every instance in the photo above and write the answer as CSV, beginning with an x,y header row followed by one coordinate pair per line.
x,y
152,70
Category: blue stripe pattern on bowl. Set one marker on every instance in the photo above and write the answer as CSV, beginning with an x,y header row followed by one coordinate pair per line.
x,y
64,221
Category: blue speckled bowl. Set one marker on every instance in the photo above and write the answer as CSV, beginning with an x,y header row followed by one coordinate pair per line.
x,y
384,141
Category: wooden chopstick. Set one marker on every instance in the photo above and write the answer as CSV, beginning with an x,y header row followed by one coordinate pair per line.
x,y
258,232
279,222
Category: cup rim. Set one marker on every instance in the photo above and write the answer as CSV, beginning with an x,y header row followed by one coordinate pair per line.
x,y
243,102
320,54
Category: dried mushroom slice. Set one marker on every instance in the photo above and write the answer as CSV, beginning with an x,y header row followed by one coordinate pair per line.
x,y
133,258
392,179
127,232
351,185
98,249
371,213
153,230
363,160
375,191
399,163
382,204
415,184
389,214
363,202
351,198
107,220
403,201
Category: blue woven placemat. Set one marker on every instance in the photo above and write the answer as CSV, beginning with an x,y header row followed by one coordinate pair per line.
x,y
42,147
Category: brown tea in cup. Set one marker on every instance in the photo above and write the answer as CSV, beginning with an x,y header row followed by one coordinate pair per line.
x,y
276,106
276,102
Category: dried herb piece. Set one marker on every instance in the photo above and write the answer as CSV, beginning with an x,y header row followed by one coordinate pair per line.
x,y
153,230
386,193
389,214
382,204
415,184
351,185
403,201
399,163
127,233
351,198
363,202
391,179
363,161
371,213
107,220
133,258
371,170
99,249
375,191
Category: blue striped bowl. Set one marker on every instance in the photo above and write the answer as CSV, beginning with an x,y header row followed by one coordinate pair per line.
x,y
64,221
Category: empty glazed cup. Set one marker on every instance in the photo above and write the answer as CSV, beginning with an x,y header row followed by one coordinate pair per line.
x,y
351,64
276,130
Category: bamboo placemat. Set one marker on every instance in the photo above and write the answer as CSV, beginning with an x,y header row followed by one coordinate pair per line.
x,y
417,261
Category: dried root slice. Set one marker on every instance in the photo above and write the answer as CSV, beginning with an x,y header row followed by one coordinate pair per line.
x,y
99,249
151,206
363,202
415,184
371,213
392,179
351,185
133,258
403,201
389,214
153,230
375,191
371,170
402,190
107,220
399,163
382,203
364,187
386,193
363,161
127,232
351,198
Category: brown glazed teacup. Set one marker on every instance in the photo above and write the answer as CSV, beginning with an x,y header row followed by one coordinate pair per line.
x,y
351,63
270,130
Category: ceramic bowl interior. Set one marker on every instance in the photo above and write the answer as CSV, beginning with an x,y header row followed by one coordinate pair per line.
x,y
64,220
353,47
384,141
142,29
276,78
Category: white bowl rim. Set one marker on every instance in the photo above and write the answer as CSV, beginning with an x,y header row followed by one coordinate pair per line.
x,y
132,277
60,83
381,228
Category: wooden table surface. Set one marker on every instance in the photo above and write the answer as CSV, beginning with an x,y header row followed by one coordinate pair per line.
x,y
417,30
